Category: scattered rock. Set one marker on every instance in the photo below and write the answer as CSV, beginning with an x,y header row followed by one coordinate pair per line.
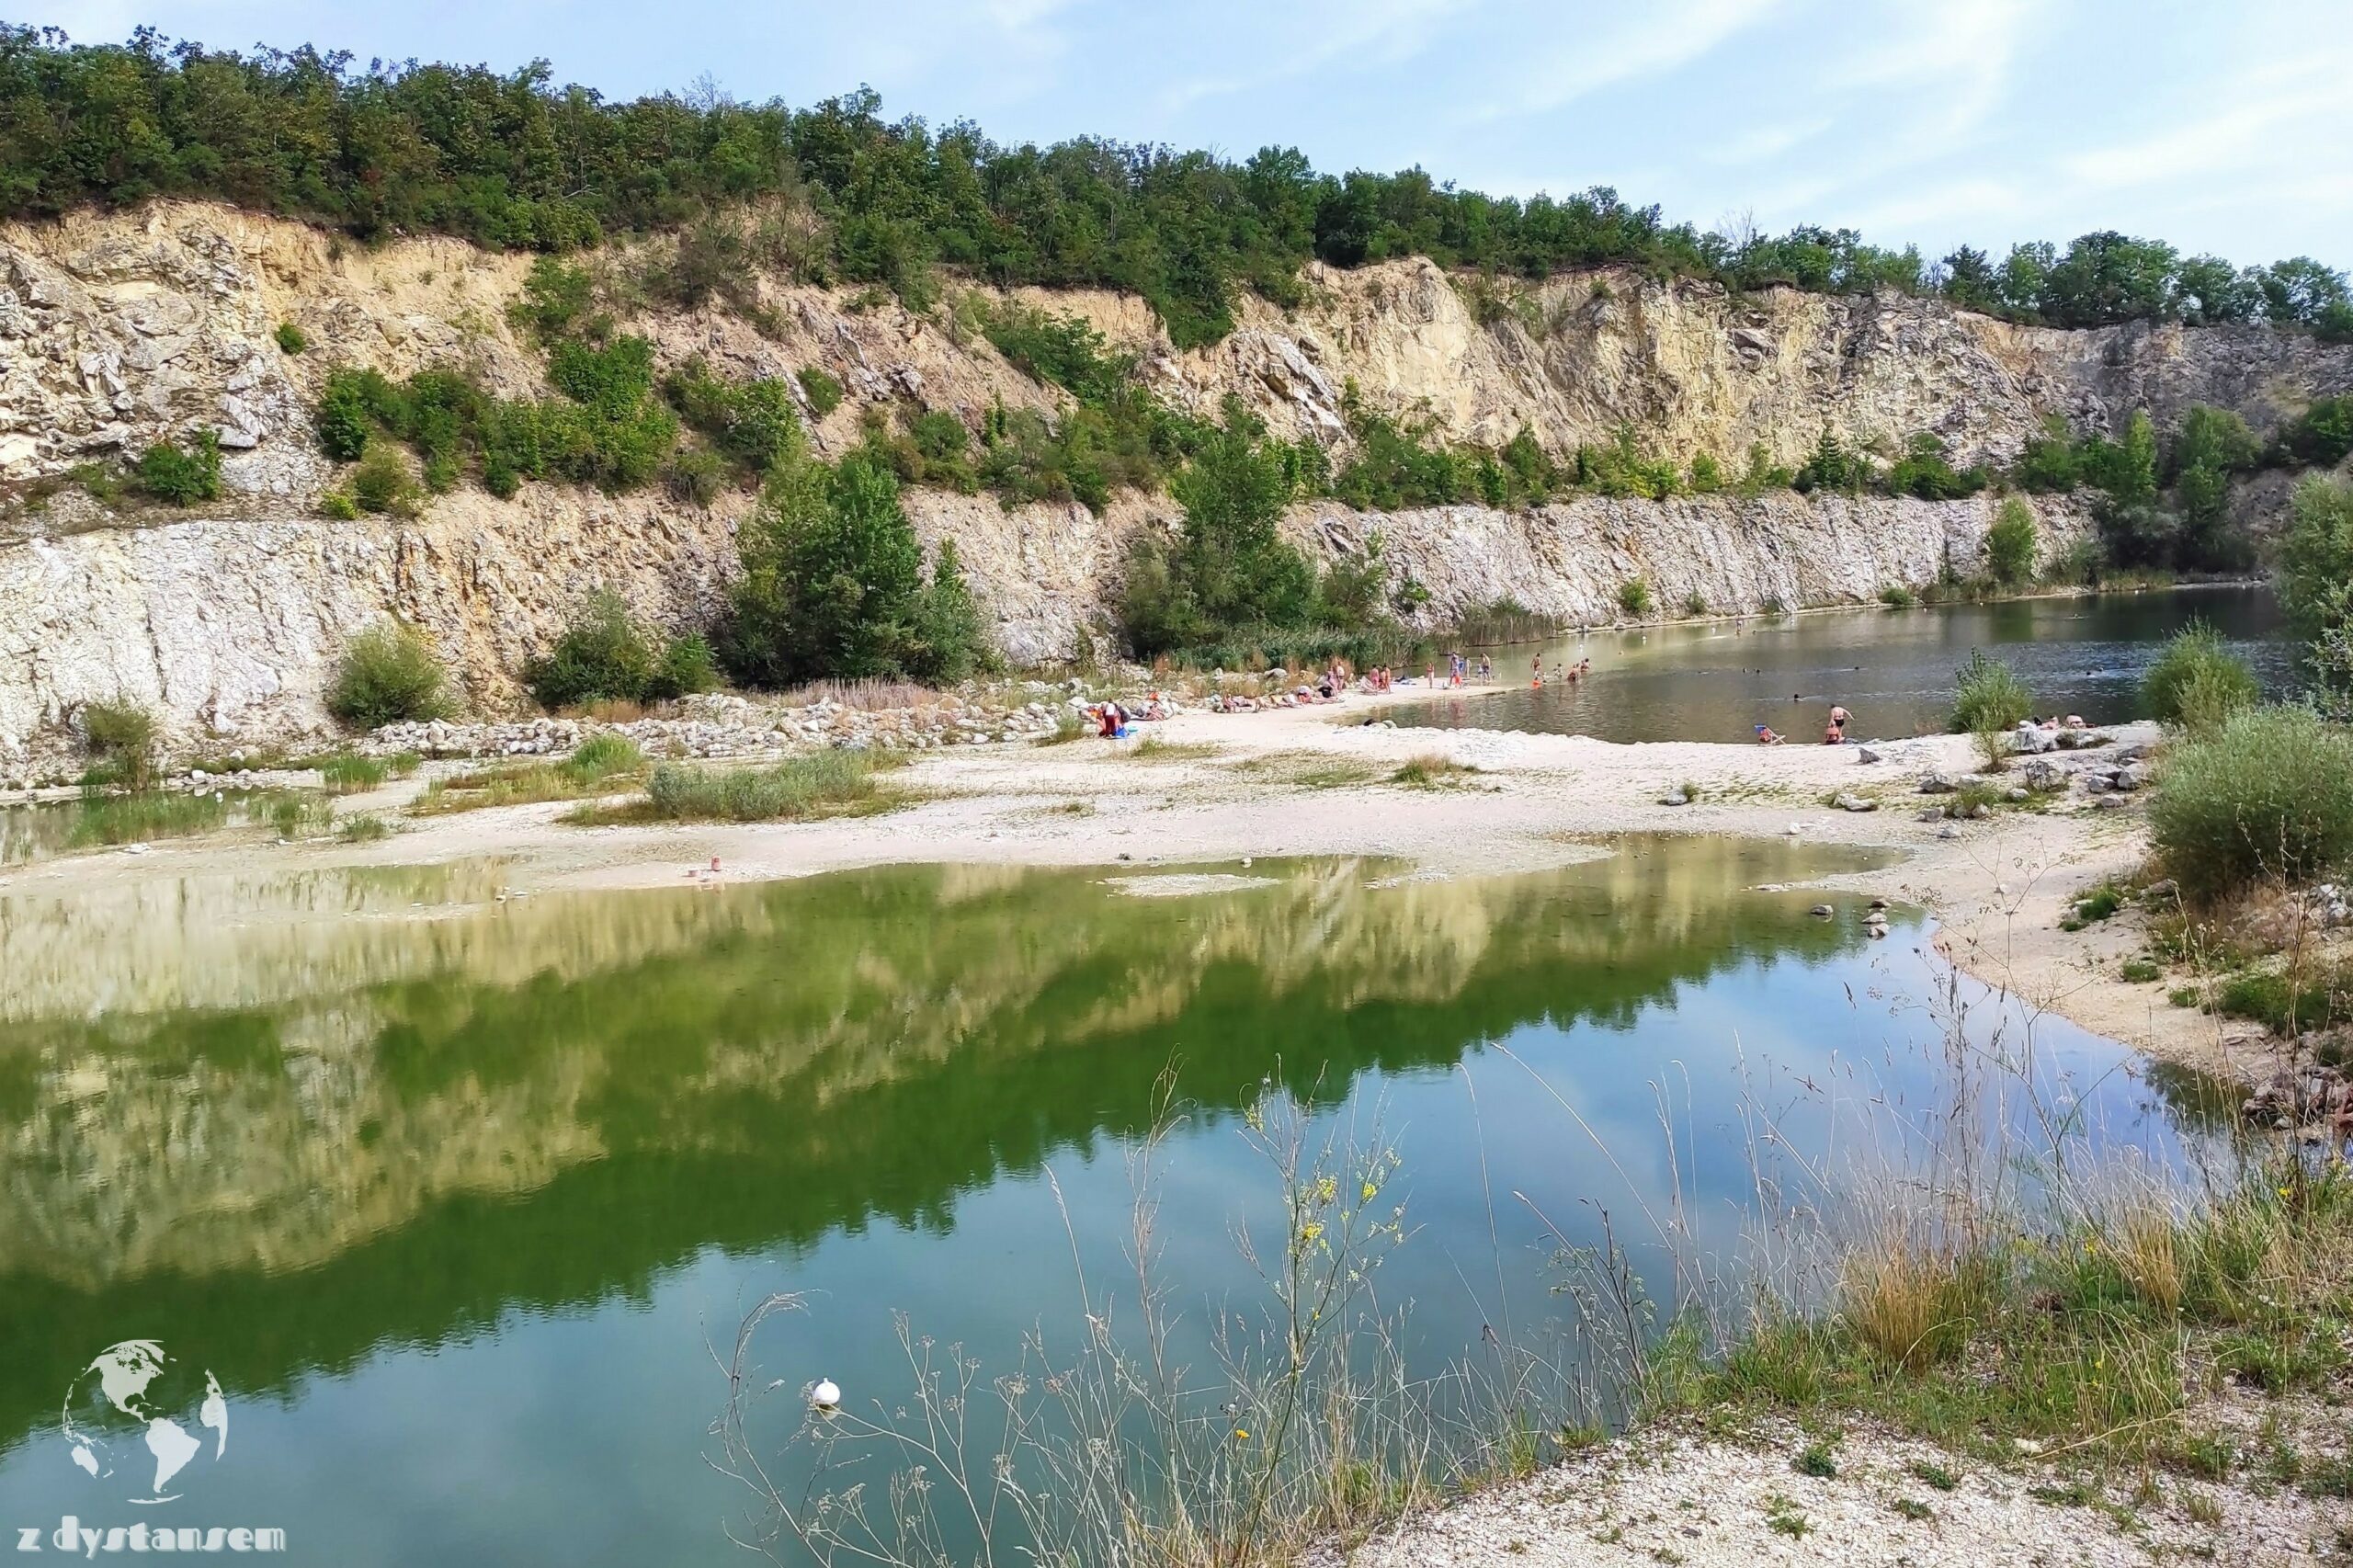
x,y
1847,802
2043,776
1939,784
1675,798
1824,911
1866,755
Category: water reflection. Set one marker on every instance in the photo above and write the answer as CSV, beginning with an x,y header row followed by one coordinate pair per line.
x,y
403,1158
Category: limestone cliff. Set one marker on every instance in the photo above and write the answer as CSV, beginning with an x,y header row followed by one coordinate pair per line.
x,y
120,329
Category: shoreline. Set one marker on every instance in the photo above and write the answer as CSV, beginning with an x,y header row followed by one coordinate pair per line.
x,y
1287,783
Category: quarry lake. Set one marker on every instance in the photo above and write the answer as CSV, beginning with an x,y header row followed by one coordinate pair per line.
x,y
1893,668
461,1199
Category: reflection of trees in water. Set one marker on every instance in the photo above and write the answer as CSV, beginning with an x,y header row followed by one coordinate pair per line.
x,y
765,1066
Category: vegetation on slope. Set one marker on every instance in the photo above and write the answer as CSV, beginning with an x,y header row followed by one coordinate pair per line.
x,y
513,160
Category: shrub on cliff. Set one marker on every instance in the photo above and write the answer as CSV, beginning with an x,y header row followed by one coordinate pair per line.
x,y
2268,794
388,675
2011,542
182,476
824,392
752,422
603,655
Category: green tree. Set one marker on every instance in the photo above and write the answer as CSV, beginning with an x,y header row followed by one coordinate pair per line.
x,y
950,641
1236,562
1832,467
830,574
2011,542
2127,467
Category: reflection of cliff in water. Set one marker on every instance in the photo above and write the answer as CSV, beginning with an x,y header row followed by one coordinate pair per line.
x,y
543,1105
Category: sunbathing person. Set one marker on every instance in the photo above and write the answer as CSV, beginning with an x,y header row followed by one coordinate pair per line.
x,y
1765,737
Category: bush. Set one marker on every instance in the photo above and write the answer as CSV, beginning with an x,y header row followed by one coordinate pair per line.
x,y
182,476
388,675
2011,542
603,655
121,736
824,394
1925,470
2268,794
2197,682
751,422
383,483
1987,696
1634,598
2322,433
2316,556
290,339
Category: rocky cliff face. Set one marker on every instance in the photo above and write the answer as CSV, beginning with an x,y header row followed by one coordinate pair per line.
x,y
118,330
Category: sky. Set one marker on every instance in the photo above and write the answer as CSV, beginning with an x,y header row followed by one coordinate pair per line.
x,y
2222,127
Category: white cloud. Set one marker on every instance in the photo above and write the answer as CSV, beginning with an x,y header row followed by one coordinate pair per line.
x,y
1764,142
1654,40
1378,28
2234,138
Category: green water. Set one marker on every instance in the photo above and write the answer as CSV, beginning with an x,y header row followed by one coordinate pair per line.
x,y
452,1195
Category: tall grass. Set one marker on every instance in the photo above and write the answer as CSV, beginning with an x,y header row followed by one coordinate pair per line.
x,y
348,773
591,770
824,783
137,818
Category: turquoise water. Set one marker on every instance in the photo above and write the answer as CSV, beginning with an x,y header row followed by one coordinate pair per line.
x,y
455,1198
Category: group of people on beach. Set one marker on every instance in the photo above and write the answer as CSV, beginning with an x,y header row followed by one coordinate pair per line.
x,y
1834,733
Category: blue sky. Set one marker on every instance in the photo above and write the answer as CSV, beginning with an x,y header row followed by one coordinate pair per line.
x,y
2223,126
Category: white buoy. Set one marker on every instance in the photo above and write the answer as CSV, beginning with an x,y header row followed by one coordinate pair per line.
x,y
825,1393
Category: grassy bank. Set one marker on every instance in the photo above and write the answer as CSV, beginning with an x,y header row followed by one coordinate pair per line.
x,y
800,789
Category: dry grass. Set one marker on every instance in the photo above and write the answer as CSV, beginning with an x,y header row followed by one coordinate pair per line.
x,y
869,696
1912,1302
1432,770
